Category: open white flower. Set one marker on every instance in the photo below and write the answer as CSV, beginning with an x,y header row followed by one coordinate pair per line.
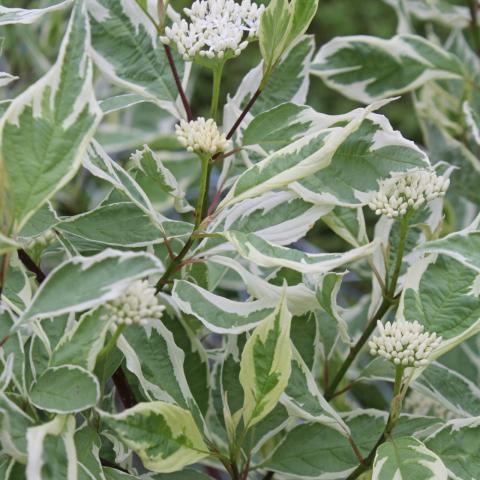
x,y
137,305
404,343
401,192
201,136
214,28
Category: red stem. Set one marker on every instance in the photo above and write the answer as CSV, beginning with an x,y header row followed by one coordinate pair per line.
x,y
178,83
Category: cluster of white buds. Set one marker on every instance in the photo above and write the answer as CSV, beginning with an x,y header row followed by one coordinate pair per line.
x,y
137,305
215,27
398,194
404,343
201,136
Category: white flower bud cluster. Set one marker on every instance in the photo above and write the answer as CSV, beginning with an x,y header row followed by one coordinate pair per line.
x,y
404,343
201,136
402,192
215,27
137,305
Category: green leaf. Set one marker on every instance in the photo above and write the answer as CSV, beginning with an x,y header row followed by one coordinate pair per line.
x,y
23,15
217,313
265,365
463,246
45,131
86,282
266,254
315,450
65,389
456,444
367,68
141,64
441,294
406,458
164,436
87,445
302,158
81,345
121,102
122,225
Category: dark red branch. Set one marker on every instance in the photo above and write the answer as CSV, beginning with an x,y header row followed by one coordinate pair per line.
x,y
31,265
243,114
178,83
123,388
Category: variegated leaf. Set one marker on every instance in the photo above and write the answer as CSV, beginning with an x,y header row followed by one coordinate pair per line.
x,y
300,298
265,365
217,313
442,295
463,246
406,458
150,163
301,159
158,363
141,65
14,423
279,217
266,254
303,398
164,436
81,345
52,440
86,282
45,131
443,12
28,15
456,443
123,225
65,389
367,68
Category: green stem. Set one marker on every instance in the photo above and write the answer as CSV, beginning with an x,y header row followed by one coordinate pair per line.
x,y
217,80
201,207
400,253
388,299
395,409
111,343
331,390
